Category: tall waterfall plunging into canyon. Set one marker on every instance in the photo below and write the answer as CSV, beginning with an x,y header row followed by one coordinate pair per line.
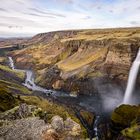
x,y
132,79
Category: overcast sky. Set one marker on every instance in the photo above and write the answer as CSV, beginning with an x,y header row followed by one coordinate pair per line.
x,y
29,17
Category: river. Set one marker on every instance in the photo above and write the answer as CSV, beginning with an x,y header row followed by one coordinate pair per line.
x,y
88,102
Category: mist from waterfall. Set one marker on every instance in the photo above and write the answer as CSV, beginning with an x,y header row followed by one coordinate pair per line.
x,y
132,79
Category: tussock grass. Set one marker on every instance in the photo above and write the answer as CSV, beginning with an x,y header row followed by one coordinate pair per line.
x,y
6,69
10,86
50,107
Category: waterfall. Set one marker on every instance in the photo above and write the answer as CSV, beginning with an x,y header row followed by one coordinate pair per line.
x,y
132,79
11,63
96,127
30,82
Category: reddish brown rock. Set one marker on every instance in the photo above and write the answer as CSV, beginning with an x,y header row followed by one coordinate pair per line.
x,y
58,84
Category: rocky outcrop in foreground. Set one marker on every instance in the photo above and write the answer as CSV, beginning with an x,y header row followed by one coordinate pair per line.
x,y
26,122
34,128
23,123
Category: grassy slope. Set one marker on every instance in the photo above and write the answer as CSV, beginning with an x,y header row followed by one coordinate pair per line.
x,y
13,79
75,61
6,69
106,34
10,84
7,100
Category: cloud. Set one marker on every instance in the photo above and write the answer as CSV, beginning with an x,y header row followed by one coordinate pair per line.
x,y
28,17
65,1
4,24
36,10
20,1
46,13
15,27
2,9
38,15
135,23
87,17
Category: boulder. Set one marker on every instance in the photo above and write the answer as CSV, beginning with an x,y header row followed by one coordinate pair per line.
x,y
58,84
50,134
73,127
24,129
126,122
57,123
125,114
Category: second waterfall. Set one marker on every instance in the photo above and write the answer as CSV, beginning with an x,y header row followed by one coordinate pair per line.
x,y
132,79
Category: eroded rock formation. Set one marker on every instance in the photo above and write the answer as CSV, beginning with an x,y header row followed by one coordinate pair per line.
x,y
71,60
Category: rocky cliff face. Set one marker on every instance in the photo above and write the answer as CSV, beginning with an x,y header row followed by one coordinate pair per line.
x,y
76,61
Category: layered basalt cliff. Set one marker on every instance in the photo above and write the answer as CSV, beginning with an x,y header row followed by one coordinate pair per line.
x,y
75,61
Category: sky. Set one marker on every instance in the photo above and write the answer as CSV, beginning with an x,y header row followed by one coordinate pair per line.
x,y
23,18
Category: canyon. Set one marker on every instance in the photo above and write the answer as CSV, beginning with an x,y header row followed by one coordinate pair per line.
x,y
82,69
75,61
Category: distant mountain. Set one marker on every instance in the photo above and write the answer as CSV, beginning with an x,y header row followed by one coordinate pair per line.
x,y
12,41
2,39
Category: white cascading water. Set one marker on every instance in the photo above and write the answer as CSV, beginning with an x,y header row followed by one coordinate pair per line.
x,y
11,63
96,127
30,81
132,79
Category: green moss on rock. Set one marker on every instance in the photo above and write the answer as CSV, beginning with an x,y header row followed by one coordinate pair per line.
x,y
14,87
18,74
133,132
8,90
126,121
7,100
125,114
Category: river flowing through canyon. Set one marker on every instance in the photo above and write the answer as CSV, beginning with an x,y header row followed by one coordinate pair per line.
x,y
30,84
101,106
